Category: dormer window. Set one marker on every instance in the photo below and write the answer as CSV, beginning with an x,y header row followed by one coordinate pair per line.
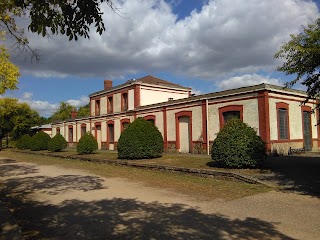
x,y
110,104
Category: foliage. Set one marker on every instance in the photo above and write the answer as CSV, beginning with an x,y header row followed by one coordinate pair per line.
x,y
140,140
40,141
87,144
63,113
9,73
84,111
16,119
238,146
301,57
57,143
24,142
70,18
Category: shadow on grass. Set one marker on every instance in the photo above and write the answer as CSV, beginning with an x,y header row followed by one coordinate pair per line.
x,y
291,173
295,173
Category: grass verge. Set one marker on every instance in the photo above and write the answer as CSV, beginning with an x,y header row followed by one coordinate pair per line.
x,y
200,188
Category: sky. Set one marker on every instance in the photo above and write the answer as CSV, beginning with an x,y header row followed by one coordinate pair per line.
x,y
208,45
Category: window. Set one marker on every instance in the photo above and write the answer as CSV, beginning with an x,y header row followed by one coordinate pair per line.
x,y
110,105
283,123
227,116
97,113
58,130
228,112
83,129
70,138
124,125
124,101
111,133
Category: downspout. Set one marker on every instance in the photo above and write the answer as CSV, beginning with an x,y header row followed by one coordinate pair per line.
x,y
207,123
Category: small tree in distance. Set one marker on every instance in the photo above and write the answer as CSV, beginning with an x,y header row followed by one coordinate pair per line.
x,y
57,143
39,141
141,139
238,146
87,144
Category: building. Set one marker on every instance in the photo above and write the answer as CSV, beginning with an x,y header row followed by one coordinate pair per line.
x,y
47,128
188,123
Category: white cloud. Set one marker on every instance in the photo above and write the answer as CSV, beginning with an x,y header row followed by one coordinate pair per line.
x,y
225,38
79,102
247,80
27,95
46,109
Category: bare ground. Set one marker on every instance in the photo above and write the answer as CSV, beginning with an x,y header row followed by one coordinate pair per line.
x,y
51,202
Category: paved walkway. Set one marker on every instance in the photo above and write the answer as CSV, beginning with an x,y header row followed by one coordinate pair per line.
x,y
56,203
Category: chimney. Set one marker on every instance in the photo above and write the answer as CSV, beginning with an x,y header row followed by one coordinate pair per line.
x,y
74,114
107,84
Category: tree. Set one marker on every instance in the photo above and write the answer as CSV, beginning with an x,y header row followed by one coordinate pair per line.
x,y
16,119
9,73
302,58
238,146
84,111
63,113
71,18
140,140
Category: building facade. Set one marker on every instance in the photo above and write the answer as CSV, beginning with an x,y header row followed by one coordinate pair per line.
x,y
188,123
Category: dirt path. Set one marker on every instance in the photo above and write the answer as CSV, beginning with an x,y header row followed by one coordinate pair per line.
x,y
56,203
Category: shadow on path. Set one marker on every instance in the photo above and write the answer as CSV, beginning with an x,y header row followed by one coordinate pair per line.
x,y
118,218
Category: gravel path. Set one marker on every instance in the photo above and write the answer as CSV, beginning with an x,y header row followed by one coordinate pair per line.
x,y
55,203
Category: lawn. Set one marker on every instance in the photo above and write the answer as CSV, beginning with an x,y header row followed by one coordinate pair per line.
x,y
201,188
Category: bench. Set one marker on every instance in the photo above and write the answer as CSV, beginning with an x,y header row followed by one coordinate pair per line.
x,y
296,151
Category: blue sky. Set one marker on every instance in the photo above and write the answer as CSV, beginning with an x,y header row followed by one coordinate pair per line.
x,y
207,45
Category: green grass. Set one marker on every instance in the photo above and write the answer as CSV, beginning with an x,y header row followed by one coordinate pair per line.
x,y
201,188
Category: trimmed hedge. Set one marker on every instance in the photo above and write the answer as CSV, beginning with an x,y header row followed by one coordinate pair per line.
x,y
39,141
24,142
238,146
87,144
140,140
57,143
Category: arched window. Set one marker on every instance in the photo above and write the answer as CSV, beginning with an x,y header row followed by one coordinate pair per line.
x,y
228,112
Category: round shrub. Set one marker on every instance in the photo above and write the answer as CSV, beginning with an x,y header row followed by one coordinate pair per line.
x,y
87,144
57,143
140,140
24,142
39,141
238,146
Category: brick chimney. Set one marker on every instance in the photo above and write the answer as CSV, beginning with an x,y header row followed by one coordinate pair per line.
x,y
74,114
107,84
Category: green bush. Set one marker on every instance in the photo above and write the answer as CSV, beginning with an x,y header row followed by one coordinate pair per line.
x,y
24,142
238,146
140,140
57,143
39,141
87,144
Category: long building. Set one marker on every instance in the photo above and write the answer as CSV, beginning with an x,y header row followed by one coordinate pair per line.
x,y
189,123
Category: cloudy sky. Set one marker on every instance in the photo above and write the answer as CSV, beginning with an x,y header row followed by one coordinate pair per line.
x,y
207,45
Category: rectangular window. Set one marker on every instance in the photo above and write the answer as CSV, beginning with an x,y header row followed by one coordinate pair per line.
x,y
124,102
83,130
97,107
229,115
58,130
110,105
283,123
111,133
70,134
